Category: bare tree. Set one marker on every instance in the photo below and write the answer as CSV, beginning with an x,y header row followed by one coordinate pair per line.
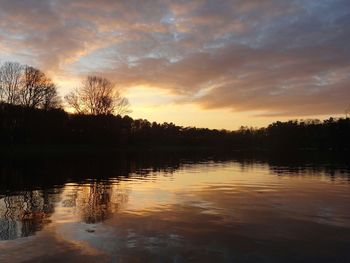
x,y
51,98
32,91
10,81
73,100
97,95
37,91
123,107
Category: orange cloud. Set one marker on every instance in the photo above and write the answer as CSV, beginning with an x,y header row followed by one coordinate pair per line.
x,y
276,57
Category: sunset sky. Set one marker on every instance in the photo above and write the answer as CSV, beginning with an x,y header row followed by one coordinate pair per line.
x,y
216,64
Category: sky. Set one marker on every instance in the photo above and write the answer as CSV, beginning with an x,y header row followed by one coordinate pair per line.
x,y
205,63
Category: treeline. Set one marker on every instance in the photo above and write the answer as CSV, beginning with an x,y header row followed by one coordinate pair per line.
x,y
31,113
32,127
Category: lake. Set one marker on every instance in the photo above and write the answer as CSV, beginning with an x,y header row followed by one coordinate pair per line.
x,y
175,207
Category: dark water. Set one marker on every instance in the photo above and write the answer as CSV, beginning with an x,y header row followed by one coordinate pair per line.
x,y
175,208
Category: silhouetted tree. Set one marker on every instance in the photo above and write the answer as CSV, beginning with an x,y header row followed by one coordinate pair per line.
x,y
51,98
37,91
10,81
96,96
27,86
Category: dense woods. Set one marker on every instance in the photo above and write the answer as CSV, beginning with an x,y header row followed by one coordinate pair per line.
x,y
32,114
25,126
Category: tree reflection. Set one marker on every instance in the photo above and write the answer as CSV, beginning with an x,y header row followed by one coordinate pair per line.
x,y
23,214
97,192
97,201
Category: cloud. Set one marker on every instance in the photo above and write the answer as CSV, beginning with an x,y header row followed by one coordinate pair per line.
x,y
288,58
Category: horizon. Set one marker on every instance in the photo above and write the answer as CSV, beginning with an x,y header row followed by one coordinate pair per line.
x,y
215,65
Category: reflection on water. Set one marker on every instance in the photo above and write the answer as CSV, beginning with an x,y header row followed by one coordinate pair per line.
x,y
24,213
94,202
175,208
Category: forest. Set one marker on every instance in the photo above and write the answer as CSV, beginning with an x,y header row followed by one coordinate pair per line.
x,y
31,127
32,115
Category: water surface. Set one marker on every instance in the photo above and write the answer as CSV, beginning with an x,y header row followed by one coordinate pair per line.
x,y
174,209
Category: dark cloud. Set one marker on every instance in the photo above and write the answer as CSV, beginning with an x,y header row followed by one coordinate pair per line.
x,y
277,57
